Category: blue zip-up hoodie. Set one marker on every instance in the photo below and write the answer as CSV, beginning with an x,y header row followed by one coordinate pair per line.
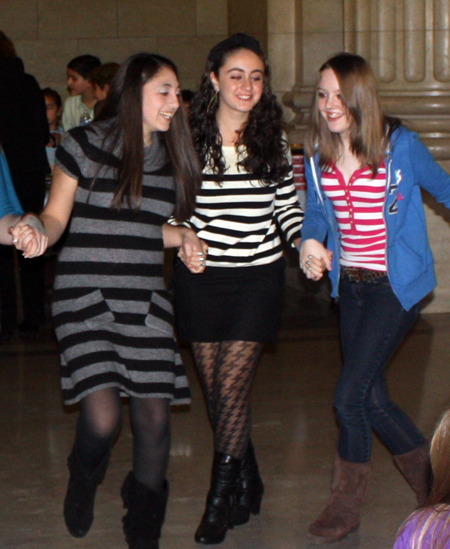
x,y
410,265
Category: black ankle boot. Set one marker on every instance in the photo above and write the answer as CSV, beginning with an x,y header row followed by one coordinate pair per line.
x,y
146,512
250,489
80,496
220,500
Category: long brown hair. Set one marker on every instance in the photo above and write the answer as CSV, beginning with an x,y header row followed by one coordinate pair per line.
x,y
370,129
123,109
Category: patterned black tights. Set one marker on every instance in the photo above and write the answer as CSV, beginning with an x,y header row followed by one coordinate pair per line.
x,y
226,372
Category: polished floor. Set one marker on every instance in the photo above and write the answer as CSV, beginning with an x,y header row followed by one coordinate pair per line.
x,y
293,431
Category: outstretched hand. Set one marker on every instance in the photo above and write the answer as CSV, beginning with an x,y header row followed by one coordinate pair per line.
x,y
29,235
315,259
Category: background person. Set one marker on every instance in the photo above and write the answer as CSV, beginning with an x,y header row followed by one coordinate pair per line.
x,y
187,96
53,105
79,107
101,79
9,203
24,133
11,213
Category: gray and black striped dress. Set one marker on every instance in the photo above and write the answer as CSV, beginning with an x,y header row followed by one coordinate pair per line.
x,y
112,313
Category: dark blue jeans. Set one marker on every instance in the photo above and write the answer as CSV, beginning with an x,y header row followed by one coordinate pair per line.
x,y
373,323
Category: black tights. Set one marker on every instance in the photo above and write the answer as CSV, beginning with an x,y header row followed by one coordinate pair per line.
x,y
226,372
100,421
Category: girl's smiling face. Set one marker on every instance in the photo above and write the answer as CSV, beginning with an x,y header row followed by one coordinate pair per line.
x,y
331,106
160,101
240,82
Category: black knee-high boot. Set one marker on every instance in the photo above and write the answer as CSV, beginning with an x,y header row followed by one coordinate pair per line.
x,y
80,496
220,500
250,490
146,512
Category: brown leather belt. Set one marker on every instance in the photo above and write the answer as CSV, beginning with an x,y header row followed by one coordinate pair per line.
x,y
357,274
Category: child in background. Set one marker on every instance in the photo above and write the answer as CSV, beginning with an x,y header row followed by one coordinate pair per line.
x,y
186,97
100,79
53,105
79,108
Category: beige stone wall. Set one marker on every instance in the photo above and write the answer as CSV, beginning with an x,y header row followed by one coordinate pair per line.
x,y
49,33
408,42
249,16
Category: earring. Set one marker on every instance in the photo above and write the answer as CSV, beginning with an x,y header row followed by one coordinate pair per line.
x,y
212,103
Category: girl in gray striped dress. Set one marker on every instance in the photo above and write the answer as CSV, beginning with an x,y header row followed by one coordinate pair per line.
x,y
119,179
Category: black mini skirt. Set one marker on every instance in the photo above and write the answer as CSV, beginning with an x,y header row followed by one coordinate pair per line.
x,y
229,304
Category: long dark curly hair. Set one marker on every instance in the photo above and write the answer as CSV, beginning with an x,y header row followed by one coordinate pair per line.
x,y
261,137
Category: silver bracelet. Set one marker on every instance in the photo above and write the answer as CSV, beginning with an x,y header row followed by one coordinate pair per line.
x,y
36,223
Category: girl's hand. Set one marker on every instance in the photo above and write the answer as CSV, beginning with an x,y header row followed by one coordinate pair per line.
x,y
29,236
315,259
193,252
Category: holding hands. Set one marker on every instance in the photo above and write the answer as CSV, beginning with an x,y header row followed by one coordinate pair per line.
x,y
193,252
315,259
29,235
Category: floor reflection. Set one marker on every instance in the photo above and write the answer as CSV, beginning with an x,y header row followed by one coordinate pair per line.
x,y
294,434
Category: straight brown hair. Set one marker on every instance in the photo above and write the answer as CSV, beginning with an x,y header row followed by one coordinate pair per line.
x,y
370,129
123,108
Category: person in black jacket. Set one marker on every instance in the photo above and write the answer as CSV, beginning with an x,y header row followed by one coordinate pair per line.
x,y
24,133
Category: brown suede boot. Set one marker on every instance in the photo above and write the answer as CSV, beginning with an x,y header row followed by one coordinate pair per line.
x,y
415,466
342,514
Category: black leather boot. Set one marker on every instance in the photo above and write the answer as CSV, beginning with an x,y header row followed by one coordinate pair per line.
x,y
146,512
221,498
250,489
80,496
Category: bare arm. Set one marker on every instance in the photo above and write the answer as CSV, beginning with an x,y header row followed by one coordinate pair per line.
x,y
56,214
192,251
6,222
315,259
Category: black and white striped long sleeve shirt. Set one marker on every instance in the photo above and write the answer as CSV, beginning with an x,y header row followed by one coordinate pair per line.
x,y
242,219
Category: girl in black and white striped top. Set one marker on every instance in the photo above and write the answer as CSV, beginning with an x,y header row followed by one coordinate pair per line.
x,y
240,219
246,203
121,178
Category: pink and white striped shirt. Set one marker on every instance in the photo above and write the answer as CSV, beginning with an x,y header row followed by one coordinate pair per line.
x,y
359,212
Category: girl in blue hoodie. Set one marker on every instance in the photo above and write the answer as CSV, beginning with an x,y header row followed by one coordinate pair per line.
x,y
365,220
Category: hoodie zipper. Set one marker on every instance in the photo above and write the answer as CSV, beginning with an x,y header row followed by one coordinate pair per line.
x,y
388,185
319,194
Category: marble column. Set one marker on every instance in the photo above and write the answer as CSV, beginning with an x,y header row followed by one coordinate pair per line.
x,y
408,44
